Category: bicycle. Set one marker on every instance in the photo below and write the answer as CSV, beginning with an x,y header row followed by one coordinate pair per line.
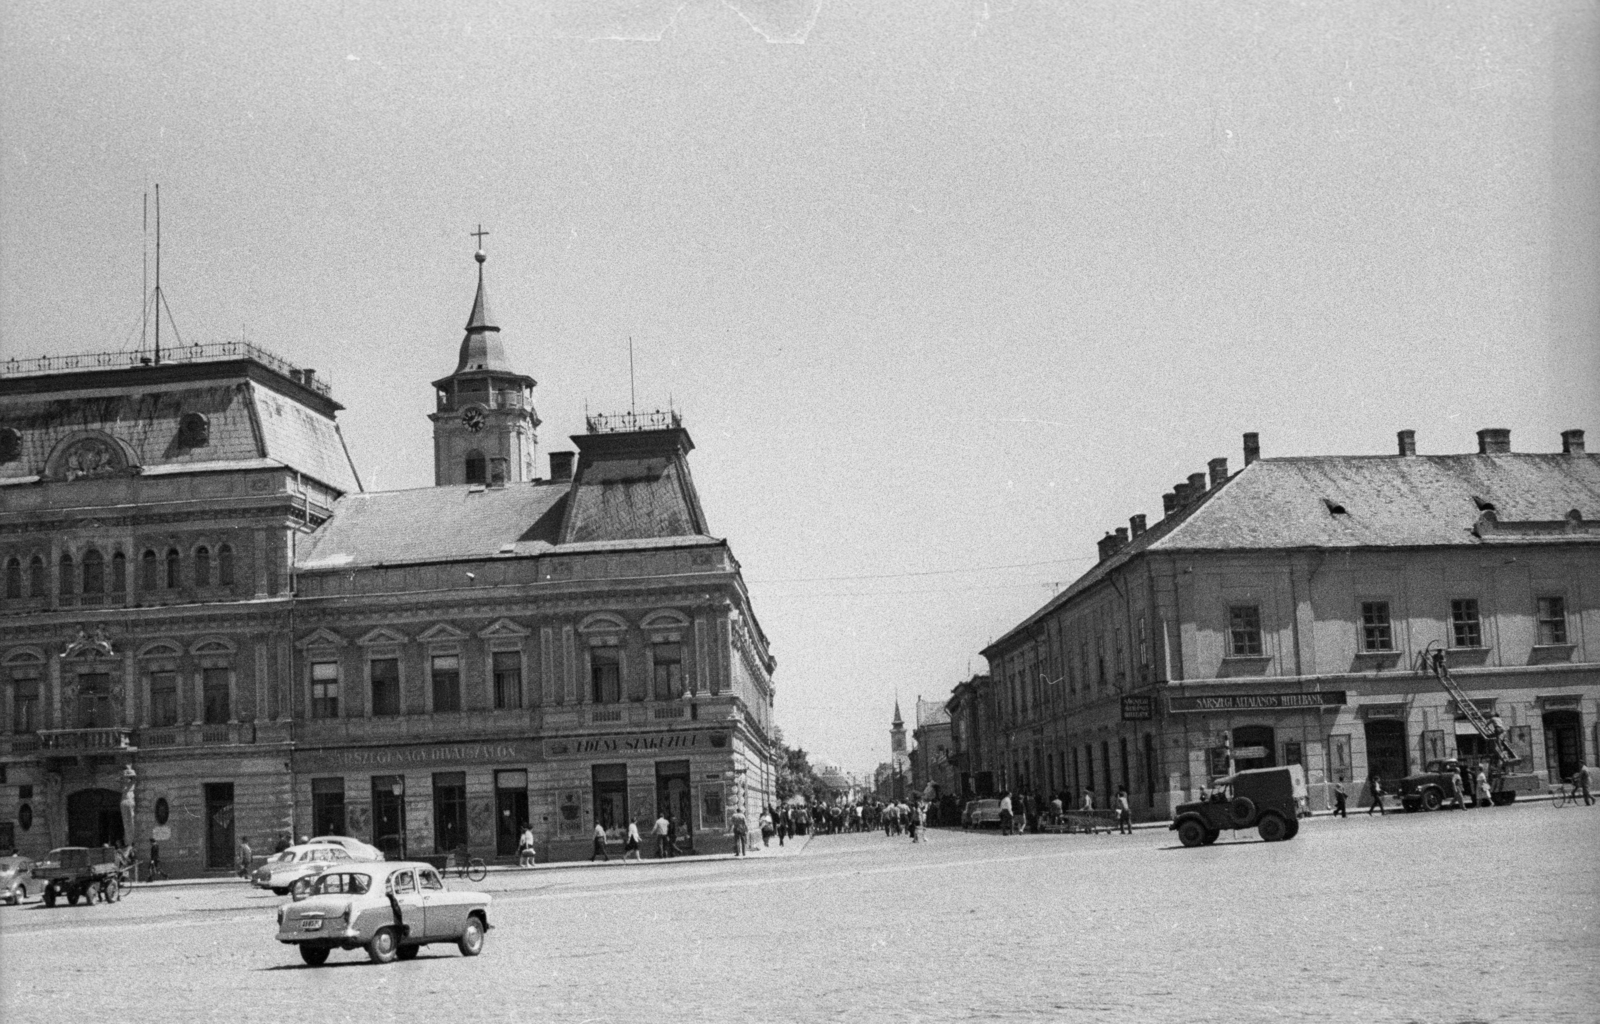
x,y
467,866
1565,794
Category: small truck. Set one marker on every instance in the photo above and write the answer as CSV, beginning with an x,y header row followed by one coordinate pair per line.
x,y
1436,787
1266,799
81,873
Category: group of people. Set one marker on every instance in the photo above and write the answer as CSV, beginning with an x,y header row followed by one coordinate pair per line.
x,y
665,831
1024,812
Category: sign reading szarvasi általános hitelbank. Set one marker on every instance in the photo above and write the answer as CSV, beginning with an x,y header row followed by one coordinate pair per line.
x,y
1258,702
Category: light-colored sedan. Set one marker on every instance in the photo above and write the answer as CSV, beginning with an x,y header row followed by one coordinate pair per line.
x,y
354,847
391,909
16,874
297,866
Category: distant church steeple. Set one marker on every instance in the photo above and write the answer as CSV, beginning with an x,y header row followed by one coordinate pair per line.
x,y
897,732
484,423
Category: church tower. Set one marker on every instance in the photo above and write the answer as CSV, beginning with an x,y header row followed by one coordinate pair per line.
x,y
483,425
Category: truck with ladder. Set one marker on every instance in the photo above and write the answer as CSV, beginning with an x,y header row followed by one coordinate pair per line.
x,y
1452,780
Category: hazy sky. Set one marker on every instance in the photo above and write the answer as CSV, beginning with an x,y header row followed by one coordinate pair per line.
x,y
943,290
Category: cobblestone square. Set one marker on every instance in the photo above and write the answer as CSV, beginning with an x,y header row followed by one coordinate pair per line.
x,y
1489,915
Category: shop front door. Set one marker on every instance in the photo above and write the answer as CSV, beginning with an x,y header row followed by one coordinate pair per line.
x,y
1386,750
219,826
510,810
94,818
1563,743
389,815
611,798
672,794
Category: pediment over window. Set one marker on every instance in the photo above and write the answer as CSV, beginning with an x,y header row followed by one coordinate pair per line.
x,y
320,637
23,656
504,627
213,645
665,618
160,649
441,632
382,636
602,622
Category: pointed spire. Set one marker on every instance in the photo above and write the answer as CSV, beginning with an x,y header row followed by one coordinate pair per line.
x,y
897,719
481,348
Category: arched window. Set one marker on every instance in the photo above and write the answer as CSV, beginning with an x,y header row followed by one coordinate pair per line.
x,y
475,468
94,574
202,566
119,573
37,585
172,568
65,579
150,572
14,580
225,566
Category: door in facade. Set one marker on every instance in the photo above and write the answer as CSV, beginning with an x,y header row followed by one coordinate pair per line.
x,y
1386,749
450,812
1254,746
510,810
219,826
327,807
94,818
389,815
672,790
611,797
1563,743
94,700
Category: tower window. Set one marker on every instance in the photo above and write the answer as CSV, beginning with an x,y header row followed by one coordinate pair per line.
x,y
476,470
172,569
202,566
225,566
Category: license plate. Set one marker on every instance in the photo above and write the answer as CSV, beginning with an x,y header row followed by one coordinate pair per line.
x,y
310,925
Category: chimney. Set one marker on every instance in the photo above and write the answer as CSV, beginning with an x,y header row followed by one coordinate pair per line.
x,y
1252,447
1219,471
1108,544
1197,486
1135,525
1408,442
1494,441
1169,504
307,376
561,466
1572,442
1180,496
1122,536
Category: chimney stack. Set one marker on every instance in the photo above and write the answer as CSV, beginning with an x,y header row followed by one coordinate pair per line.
x,y
1169,504
1108,544
1219,471
1197,486
560,466
1252,447
1494,441
307,376
1135,525
1572,442
1122,537
1408,442
1180,496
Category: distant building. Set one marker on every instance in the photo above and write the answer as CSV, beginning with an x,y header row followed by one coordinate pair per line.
x,y
195,586
1274,615
931,765
974,737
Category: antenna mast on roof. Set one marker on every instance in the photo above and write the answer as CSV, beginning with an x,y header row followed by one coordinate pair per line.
x,y
158,274
633,399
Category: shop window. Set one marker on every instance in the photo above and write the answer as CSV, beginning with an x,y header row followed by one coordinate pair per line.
x,y
150,571
610,783
668,670
327,807
214,695
163,698
450,811
1292,752
225,566
1552,621
1377,634
605,675
385,674
1244,631
1466,629
202,566
37,583
324,690
14,580
446,671
1386,749
507,680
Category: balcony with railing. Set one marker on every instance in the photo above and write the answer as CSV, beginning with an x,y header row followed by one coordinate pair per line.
x,y
200,352
84,741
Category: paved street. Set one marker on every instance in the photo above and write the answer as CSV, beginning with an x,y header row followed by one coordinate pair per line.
x,y
1489,915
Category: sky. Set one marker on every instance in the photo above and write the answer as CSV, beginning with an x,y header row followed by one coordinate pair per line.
x,y
943,290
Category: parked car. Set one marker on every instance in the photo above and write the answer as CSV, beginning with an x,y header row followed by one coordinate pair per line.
x,y
297,866
354,847
16,874
391,909
1266,799
981,814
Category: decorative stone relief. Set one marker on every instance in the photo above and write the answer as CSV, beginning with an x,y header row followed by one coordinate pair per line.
x,y
90,459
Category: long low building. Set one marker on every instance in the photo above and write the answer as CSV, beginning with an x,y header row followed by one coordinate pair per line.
x,y
209,631
1274,616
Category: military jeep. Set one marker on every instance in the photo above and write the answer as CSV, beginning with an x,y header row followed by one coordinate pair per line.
x,y
1266,799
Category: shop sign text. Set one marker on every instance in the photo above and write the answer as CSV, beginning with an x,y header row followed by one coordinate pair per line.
x,y
603,746
1258,702
399,757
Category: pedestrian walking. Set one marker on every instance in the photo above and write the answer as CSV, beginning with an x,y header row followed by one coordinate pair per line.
x,y
1124,812
912,821
599,844
246,855
1484,796
1006,816
631,844
1377,798
1457,794
525,853
767,828
155,861
1581,779
660,832
741,829
1339,797
1088,801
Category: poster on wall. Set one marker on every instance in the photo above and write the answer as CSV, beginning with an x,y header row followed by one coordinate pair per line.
x,y
569,814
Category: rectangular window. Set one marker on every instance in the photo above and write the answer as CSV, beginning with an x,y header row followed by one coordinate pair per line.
x,y
327,807
325,690
214,691
507,679
385,686
1244,631
25,703
163,698
605,675
668,660
449,811
1292,752
94,700
1466,629
446,684
1376,632
1552,621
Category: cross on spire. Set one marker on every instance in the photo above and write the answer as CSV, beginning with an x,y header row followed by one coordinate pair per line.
x,y
478,234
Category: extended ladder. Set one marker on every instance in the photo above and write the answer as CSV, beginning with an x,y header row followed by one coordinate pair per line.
x,y
1432,660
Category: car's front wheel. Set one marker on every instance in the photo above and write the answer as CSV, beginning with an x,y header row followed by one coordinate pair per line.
x,y
18,895
1272,828
383,947
471,943
315,956
1192,833
1432,800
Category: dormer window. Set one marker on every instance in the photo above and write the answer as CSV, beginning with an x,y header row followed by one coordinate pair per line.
x,y
1334,508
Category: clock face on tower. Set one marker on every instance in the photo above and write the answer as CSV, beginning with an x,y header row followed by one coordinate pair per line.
x,y
472,418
